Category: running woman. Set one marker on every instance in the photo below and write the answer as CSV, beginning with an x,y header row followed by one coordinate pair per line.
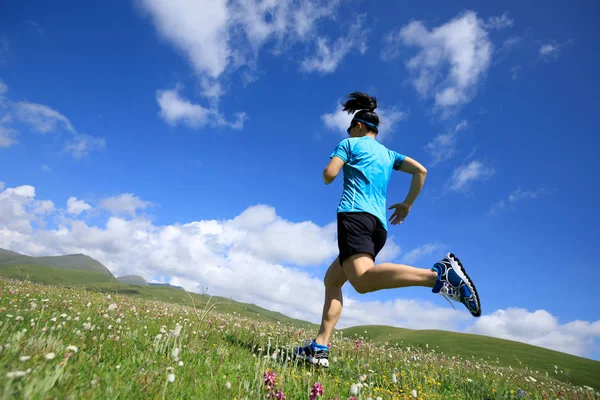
x,y
362,227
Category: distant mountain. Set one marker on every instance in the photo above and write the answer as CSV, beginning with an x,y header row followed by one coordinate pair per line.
x,y
72,261
133,280
166,285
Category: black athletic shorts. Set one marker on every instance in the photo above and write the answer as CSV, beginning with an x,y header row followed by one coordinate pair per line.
x,y
359,232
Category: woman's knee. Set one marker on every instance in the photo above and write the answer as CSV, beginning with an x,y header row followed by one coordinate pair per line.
x,y
360,284
335,276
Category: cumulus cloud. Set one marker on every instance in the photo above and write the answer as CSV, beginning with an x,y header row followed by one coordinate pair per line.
x,y
125,203
452,60
76,207
465,175
413,256
501,22
81,145
220,37
226,257
174,110
389,118
539,328
329,56
549,51
517,196
443,146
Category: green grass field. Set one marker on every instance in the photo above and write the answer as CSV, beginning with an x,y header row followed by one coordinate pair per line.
x,y
95,281
576,370
106,340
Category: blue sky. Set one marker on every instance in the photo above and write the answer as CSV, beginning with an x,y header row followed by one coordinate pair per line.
x,y
150,117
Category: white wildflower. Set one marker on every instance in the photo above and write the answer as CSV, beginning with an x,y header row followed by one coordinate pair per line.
x,y
180,363
227,385
394,379
176,331
354,389
113,306
50,356
171,377
414,394
175,353
24,358
72,348
15,374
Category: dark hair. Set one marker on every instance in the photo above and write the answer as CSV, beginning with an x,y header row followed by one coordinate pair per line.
x,y
366,105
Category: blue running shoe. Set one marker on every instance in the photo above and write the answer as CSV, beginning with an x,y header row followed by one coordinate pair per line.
x,y
314,353
454,283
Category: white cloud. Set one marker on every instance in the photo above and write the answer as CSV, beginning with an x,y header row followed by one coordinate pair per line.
x,y
16,209
81,145
219,37
125,203
539,328
215,35
420,252
41,118
43,207
388,120
549,51
461,45
46,168
389,252
516,196
174,109
443,146
7,137
216,255
500,22
76,207
328,57
464,175
515,72
198,29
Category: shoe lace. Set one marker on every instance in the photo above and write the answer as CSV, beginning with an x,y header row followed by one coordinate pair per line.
x,y
449,291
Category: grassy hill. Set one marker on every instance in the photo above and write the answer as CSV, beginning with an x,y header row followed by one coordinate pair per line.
x,y
70,262
133,280
576,370
99,282
65,342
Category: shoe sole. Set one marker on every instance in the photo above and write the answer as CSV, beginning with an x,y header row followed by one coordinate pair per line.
x,y
462,273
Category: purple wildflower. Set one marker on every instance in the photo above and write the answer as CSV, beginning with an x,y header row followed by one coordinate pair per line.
x,y
317,390
269,378
521,393
280,395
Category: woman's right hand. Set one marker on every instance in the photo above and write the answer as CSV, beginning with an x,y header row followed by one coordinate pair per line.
x,y
401,211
